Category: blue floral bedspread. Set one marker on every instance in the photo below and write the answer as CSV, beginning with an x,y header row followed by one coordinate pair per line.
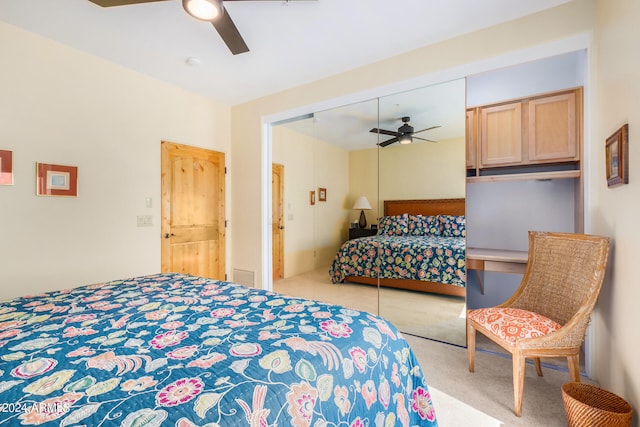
x,y
177,350
427,258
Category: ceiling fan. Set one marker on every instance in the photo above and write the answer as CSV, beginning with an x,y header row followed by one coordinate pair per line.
x,y
404,135
205,10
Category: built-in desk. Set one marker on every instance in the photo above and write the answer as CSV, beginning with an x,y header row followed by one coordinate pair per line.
x,y
498,260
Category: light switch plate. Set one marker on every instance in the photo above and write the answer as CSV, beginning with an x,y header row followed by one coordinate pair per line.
x,y
145,221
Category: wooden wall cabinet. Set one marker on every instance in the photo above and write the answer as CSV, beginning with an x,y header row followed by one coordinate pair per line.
x,y
537,130
553,128
501,135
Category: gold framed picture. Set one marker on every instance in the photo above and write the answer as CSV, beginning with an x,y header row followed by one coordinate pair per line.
x,y
617,155
322,194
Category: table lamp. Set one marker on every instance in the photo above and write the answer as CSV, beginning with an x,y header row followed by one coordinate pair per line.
x,y
362,203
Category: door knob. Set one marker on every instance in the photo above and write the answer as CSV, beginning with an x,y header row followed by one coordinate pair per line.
x,y
281,227
167,235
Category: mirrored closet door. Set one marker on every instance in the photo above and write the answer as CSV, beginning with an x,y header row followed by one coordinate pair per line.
x,y
339,173
323,180
422,184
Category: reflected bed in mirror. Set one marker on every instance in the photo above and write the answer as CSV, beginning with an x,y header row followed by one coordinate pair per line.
x,y
421,245
409,264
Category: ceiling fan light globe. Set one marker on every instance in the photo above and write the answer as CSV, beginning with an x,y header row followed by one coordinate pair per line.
x,y
405,139
204,10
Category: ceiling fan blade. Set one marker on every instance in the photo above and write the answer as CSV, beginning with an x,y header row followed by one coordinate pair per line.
x,y
423,139
423,130
384,132
388,142
109,3
230,35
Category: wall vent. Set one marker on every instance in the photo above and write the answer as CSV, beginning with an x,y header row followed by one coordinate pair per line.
x,y
244,277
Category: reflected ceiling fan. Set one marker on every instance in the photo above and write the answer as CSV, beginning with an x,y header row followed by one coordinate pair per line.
x,y
404,135
205,10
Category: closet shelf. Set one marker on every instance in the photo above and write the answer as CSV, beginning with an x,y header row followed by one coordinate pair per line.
x,y
571,174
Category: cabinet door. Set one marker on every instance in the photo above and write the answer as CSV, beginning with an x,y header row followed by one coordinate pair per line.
x,y
553,128
501,135
471,139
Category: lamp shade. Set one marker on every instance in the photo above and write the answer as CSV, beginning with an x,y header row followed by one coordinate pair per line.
x,y
362,203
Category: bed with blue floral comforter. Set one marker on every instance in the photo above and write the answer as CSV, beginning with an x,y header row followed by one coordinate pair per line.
x,y
428,258
184,351
416,249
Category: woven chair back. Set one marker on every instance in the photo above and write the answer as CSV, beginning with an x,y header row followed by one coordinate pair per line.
x,y
564,274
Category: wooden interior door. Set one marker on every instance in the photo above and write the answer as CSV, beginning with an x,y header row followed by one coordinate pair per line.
x,y
277,225
193,211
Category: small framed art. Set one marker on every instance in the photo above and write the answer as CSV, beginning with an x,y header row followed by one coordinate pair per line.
x,y
617,155
312,197
56,180
6,167
322,194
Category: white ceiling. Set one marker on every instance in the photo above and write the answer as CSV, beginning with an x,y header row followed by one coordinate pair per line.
x,y
349,126
291,43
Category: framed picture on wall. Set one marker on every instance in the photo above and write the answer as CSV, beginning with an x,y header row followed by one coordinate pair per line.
x,y
6,167
322,194
617,155
56,180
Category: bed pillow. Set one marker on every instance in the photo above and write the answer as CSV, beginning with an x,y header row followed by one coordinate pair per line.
x,y
424,225
452,226
396,225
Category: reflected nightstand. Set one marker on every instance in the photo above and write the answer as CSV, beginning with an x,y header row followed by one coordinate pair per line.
x,y
354,233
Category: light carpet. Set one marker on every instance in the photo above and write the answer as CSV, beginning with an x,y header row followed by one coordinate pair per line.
x,y
451,412
463,398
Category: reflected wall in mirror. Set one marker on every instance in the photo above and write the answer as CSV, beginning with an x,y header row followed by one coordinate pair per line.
x,y
317,152
423,283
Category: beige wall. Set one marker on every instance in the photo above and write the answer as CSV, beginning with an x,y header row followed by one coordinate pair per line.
x,y
295,151
423,170
363,181
62,106
331,217
614,212
417,171
312,233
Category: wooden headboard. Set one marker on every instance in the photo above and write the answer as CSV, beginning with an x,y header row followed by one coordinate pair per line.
x,y
425,207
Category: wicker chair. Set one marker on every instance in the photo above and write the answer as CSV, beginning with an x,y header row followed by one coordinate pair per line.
x,y
548,314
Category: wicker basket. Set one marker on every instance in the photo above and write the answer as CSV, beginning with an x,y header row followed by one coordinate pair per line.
x,y
588,405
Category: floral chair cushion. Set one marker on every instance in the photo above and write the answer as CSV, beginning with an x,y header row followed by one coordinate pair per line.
x,y
511,324
452,225
424,225
397,225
